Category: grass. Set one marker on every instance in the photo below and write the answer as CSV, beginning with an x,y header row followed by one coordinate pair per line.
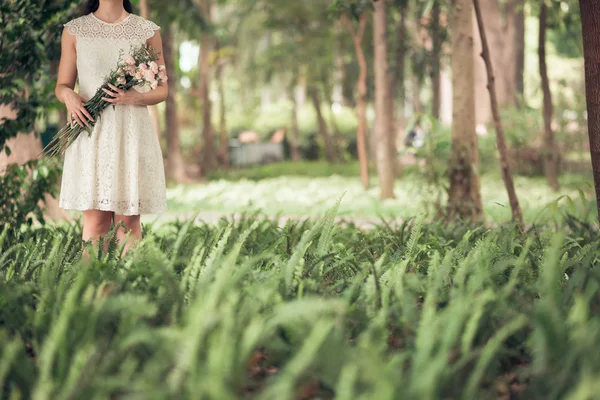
x,y
249,309
260,190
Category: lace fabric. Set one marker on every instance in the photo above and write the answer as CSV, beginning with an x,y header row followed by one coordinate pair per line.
x,y
119,167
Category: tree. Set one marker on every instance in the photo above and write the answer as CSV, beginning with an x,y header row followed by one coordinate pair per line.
x,y
175,164
550,151
519,38
384,131
316,101
464,197
436,36
499,20
590,24
361,89
209,155
26,50
517,215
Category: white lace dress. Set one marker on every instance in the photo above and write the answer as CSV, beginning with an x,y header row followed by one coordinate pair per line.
x,y
120,166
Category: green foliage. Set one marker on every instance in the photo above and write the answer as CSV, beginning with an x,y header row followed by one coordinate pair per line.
x,y
24,188
252,309
29,31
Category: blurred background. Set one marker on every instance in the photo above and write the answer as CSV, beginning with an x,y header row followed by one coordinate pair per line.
x,y
266,100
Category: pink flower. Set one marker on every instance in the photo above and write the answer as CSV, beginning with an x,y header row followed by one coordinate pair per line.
x,y
162,68
139,75
154,84
143,67
149,75
162,76
121,80
130,60
153,66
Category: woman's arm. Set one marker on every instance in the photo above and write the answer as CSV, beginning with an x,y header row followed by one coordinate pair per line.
x,y
132,96
67,73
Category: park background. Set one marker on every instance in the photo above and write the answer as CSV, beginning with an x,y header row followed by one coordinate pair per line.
x,y
308,252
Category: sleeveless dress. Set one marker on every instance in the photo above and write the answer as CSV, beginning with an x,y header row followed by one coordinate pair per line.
x,y
119,167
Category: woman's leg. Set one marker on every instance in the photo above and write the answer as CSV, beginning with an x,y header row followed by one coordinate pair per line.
x,y
96,224
130,226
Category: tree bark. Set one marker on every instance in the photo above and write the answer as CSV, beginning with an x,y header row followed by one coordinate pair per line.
x,y
590,23
295,129
329,152
361,101
383,117
223,136
209,156
398,87
520,51
500,29
145,13
464,197
550,151
175,164
436,35
517,215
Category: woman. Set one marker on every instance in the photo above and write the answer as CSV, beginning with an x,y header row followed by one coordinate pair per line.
x,y
116,173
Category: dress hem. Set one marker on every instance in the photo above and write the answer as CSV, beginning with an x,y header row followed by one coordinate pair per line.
x,y
124,212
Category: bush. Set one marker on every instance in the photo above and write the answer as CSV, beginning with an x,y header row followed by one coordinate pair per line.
x,y
251,309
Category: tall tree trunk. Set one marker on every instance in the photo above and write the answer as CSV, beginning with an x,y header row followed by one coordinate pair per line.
x,y
398,87
517,215
549,148
383,117
499,20
361,101
209,156
145,13
590,26
520,51
464,197
223,136
295,129
436,35
175,164
329,151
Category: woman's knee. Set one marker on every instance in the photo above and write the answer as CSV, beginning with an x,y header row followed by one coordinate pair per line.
x,y
96,223
130,223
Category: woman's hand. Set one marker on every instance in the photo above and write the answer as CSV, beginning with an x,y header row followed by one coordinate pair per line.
x,y
120,96
77,112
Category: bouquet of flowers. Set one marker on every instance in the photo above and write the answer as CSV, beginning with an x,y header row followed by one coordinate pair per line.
x,y
138,69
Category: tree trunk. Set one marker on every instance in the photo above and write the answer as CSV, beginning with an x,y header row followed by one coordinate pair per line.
x,y
520,51
329,152
500,30
383,118
590,26
517,216
550,151
361,102
223,136
436,34
175,164
209,156
464,197
398,87
295,129
145,13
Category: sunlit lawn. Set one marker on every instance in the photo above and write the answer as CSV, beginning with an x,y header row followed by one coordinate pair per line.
x,y
311,196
